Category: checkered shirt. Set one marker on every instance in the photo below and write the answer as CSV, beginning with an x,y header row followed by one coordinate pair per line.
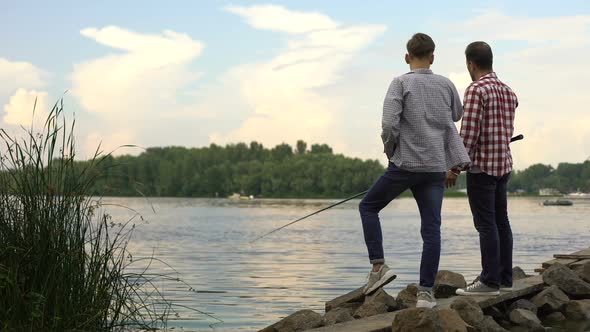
x,y
488,123
418,130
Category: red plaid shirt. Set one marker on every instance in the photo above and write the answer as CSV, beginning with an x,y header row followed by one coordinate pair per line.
x,y
488,123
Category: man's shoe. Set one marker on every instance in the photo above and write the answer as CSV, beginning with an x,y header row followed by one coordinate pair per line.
x,y
478,288
504,288
376,280
425,300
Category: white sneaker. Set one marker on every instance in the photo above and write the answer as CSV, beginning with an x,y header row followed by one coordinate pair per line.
x,y
376,280
504,288
425,300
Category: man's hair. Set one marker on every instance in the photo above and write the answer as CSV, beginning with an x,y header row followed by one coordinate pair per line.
x,y
480,53
420,45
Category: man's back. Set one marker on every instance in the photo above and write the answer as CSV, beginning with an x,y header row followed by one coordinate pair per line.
x,y
488,124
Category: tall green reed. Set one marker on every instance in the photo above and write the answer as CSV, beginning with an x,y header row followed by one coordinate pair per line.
x,y
63,262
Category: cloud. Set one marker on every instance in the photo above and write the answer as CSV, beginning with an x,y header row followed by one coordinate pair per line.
x,y
280,96
19,109
277,18
15,74
130,91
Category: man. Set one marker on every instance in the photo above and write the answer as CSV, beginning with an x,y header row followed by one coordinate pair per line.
x,y
488,124
421,143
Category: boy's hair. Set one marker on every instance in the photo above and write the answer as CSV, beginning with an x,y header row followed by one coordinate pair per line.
x,y
420,45
480,53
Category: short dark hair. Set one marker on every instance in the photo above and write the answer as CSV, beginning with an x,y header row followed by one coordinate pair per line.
x,y
420,45
480,53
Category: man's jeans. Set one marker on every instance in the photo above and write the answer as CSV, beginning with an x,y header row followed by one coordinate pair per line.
x,y
428,189
487,199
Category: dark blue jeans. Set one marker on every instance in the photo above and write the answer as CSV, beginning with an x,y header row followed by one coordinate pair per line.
x,y
488,202
428,189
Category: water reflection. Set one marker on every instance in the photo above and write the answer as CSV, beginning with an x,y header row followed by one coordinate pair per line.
x,y
249,286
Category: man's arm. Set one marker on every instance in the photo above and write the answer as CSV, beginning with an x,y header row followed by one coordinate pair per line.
x,y
392,109
472,117
456,107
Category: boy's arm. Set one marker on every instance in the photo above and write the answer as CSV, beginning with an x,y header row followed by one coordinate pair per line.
x,y
456,107
392,109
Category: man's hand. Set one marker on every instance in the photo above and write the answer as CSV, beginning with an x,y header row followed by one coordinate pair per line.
x,y
451,179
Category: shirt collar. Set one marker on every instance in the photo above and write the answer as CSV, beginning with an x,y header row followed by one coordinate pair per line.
x,y
421,71
489,75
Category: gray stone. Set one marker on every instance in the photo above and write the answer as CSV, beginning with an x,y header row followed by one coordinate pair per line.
x,y
338,315
489,325
381,296
526,318
496,313
417,320
550,300
524,304
300,321
451,320
356,295
518,273
584,272
447,283
472,314
369,309
578,310
469,310
407,297
554,317
567,280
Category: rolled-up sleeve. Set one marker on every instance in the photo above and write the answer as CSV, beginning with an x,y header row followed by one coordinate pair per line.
x,y
472,118
392,109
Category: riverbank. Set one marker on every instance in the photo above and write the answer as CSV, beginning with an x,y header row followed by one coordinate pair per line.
x,y
559,298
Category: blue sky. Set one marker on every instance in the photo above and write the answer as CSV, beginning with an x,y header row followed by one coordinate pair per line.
x,y
201,72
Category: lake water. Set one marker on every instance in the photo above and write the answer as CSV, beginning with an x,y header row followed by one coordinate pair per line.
x,y
249,286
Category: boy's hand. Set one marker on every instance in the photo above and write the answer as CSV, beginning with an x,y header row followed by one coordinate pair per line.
x,y
451,179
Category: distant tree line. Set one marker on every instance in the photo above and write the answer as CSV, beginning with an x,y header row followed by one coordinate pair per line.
x,y
282,171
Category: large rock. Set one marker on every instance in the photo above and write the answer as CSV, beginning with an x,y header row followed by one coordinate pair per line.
x,y
300,321
489,325
339,315
417,320
357,295
472,314
378,303
381,296
469,310
518,273
407,297
550,300
554,318
524,304
567,280
584,272
452,321
526,318
447,283
578,310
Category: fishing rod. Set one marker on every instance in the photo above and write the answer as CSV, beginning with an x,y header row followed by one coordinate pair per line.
x,y
513,139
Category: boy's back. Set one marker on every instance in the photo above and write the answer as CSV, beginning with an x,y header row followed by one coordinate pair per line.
x,y
418,116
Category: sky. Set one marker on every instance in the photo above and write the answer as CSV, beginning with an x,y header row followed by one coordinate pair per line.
x,y
192,73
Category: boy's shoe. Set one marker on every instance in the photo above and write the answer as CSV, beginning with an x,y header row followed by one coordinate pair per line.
x,y
376,280
478,288
425,300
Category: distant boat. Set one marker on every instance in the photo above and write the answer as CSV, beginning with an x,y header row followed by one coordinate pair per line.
x,y
240,196
559,202
578,195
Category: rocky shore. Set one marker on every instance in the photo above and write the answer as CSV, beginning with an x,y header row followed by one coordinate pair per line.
x,y
556,300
